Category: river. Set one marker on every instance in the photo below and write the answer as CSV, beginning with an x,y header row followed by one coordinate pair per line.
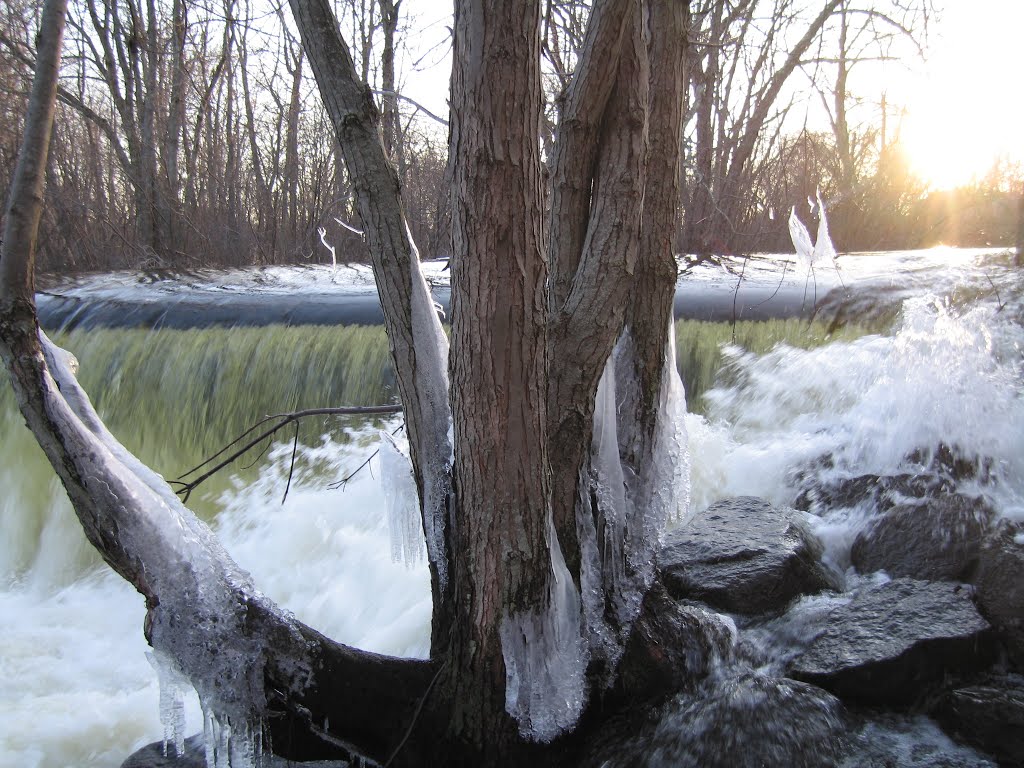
x,y
906,350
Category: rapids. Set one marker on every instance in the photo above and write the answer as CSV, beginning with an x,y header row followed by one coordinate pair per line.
x,y
907,351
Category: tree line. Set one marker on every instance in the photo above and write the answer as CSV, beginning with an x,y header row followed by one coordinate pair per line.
x,y
189,132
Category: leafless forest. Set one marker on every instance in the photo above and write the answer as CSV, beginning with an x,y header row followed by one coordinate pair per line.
x,y
190,133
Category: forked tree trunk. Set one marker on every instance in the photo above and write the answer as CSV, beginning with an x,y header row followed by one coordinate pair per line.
x,y
510,508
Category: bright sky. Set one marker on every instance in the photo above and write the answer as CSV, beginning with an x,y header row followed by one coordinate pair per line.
x,y
429,57
964,105
968,106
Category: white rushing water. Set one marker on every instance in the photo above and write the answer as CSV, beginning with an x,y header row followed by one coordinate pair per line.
x,y
945,376
79,690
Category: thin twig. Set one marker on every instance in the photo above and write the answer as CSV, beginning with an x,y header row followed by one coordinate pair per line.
x,y
344,481
735,296
782,279
285,418
994,288
291,467
416,714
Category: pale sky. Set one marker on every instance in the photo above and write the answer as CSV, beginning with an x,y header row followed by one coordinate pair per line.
x,y
965,105
968,106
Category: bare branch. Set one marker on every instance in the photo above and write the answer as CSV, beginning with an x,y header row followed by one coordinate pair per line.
x,y
420,107
186,488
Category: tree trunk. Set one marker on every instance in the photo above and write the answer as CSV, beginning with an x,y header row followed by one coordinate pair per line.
x,y
498,367
175,120
514,659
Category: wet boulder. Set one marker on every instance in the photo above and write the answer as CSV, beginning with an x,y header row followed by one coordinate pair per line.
x,y
747,721
152,755
988,716
1000,584
925,474
673,646
744,555
935,539
881,739
895,643
878,491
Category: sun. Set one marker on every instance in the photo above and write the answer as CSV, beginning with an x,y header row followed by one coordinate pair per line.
x,y
965,111
944,147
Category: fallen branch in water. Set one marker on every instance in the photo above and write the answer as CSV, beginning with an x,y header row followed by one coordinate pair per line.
x,y
282,420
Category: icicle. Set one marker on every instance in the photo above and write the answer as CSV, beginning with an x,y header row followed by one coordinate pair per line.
x,y
824,251
173,688
546,658
672,446
801,242
401,502
610,488
810,255
229,744
619,537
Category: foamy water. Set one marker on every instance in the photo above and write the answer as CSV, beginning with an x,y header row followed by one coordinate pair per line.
x,y
944,377
79,690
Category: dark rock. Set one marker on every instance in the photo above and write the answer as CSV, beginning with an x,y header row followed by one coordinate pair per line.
x,y
989,716
672,647
930,474
152,755
891,740
879,491
950,462
1000,584
744,555
744,722
895,643
936,539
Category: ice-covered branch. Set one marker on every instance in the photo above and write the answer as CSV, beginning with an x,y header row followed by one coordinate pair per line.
x,y
257,670
323,239
418,345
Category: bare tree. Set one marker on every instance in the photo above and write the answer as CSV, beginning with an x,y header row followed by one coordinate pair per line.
x,y
553,311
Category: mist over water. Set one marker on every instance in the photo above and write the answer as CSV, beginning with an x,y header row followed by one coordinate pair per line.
x,y
78,687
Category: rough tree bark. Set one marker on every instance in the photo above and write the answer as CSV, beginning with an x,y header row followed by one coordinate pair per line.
x,y
511,505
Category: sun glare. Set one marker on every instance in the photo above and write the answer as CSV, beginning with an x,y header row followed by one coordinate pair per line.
x,y
966,110
945,147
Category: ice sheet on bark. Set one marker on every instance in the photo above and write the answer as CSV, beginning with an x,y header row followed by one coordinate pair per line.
x,y
401,502
431,345
623,510
546,658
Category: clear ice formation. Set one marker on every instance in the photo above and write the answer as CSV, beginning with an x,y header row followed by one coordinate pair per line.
x,y
401,502
546,657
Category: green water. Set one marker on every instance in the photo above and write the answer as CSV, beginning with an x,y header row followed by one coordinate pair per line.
x,y
176,397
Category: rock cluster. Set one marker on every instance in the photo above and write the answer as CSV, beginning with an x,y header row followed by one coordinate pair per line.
x,y
934,625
